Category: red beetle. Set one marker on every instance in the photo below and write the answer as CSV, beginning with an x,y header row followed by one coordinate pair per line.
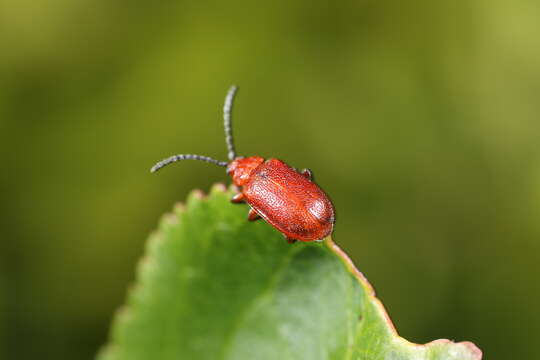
x,y
287,199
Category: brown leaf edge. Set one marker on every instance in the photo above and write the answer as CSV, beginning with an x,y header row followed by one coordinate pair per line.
x,y
370,292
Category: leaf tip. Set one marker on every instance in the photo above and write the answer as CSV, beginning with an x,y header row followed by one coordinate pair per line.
x,y
169,219
123,313
196,194
179,208
475,350
464,350
218,188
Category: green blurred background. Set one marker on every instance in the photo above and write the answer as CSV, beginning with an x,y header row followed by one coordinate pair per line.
x,y
420,119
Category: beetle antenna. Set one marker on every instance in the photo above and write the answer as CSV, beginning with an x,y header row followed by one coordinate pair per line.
x,y
227,117
179,157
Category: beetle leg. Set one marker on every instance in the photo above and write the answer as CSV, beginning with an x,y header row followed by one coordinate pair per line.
x,y
290,241
238,198
307,173
252,215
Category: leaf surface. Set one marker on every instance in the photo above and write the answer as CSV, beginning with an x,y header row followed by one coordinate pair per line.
x,y
215,286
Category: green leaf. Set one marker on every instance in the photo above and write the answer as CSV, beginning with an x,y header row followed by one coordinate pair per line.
x,y
215,286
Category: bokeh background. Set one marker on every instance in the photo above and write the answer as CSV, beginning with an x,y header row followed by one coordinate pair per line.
x,y
420,119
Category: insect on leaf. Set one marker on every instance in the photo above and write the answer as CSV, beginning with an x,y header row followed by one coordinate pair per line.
x,y
215,286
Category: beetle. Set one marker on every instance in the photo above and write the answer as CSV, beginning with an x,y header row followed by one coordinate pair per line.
x,y
287,199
